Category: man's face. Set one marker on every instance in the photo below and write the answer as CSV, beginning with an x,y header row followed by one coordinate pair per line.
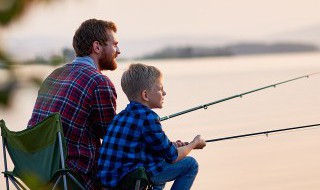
x,y
109,53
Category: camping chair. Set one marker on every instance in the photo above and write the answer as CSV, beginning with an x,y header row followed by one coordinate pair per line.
x,y
137,180
38,154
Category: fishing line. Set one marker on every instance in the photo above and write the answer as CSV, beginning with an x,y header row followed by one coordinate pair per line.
x,y
205,106
266,133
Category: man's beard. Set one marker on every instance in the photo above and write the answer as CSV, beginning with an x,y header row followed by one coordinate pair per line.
x,y
105,63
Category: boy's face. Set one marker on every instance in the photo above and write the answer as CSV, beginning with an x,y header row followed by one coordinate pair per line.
x,y
156,94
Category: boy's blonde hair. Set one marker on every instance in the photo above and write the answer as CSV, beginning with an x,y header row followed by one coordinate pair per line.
x,y
137,78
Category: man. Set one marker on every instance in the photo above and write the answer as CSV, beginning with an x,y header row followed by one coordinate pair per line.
x,y
85,98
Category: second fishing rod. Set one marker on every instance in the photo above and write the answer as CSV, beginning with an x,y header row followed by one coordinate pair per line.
x,y
205,106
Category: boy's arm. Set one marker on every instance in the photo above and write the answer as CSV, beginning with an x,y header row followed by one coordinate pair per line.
x,y
179,143
156,140
183,151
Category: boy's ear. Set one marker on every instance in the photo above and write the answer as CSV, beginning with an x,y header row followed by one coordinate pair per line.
x,y
144,95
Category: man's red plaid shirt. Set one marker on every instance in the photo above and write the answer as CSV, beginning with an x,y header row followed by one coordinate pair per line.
x,y
86,100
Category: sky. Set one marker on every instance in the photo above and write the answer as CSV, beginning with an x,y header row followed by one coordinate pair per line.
x,y
46,26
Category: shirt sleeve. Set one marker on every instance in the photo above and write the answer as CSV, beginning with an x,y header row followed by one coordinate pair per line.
x,y
157,140
103,106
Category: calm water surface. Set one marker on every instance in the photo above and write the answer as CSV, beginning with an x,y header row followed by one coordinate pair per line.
x,y
286,161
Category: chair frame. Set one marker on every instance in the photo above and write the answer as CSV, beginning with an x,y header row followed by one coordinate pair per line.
x,y
14,181
137,185
63,172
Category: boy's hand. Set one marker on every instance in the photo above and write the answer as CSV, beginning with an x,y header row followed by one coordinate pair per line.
x,y
199,142
179,143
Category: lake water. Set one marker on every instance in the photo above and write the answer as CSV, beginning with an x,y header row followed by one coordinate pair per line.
x,y
285,161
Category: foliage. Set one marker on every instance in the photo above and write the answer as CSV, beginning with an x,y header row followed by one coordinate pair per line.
x,y
10,11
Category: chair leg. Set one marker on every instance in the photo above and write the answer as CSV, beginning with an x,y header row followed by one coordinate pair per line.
x,y
65,182
62,161
76,181
137,187
57,182
64,178
7,182
5,160
15,182
17,185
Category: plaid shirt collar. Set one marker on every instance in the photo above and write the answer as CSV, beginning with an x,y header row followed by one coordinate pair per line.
x,y
134,106
86,60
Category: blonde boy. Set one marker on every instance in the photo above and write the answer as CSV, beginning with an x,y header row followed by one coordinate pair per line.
x,y
135,137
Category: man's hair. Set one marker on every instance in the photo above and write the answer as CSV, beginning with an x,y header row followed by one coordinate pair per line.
x,y
138,77
89,31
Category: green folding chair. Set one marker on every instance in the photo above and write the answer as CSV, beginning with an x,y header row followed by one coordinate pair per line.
x,y
136,180
38,155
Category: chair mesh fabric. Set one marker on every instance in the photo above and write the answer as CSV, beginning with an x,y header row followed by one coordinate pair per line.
x,y
35,151
129,181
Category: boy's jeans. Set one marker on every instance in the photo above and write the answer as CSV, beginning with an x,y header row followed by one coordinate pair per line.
x,y
182,173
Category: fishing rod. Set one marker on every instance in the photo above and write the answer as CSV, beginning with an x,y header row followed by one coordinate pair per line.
x,y
205,106
262,133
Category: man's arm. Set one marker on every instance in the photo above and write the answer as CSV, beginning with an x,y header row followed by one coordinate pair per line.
x,y
103,107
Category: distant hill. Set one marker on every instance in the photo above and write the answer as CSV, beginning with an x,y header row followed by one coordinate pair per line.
x,y
304,39
303,35
230,50
299,40
141,47
262,48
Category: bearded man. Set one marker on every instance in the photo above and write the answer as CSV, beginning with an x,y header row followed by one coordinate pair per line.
x,y
84,97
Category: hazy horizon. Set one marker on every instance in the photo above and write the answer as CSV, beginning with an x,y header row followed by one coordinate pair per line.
x,y
145,25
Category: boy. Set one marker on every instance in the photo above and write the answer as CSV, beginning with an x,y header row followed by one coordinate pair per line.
x,y
135,137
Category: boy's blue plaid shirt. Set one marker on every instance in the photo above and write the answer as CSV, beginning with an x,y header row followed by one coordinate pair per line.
x,y
134,138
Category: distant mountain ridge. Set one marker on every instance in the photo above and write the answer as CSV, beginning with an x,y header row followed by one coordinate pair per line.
x,y
300,40
231,50
138,48
45,46
309,34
